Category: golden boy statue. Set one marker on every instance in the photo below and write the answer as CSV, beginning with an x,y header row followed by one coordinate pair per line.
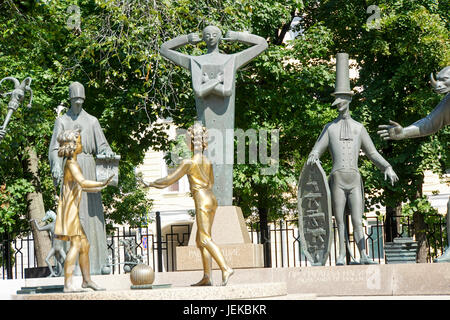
x,y
67,225
201,180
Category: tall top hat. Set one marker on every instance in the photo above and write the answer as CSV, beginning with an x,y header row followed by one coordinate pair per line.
x,y
76,90
342,75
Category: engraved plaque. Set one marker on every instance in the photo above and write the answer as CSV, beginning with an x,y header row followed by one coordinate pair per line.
x,y
314,214
105,167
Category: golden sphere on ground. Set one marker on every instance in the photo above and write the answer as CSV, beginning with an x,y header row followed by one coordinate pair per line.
x,y
142,274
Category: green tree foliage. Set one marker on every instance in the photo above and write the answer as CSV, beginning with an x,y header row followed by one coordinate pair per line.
x,y
114,52
395,56
394,62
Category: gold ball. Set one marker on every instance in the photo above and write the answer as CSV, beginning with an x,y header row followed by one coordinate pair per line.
x,y
142,274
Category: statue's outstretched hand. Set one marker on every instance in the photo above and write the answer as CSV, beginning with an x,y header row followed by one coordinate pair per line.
x,y
141,181
392,131
148,184
389,173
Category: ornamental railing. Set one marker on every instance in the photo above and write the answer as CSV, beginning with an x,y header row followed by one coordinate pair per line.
x,y
280,239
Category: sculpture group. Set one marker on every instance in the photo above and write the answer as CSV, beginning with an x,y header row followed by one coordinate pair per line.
x,y
78,139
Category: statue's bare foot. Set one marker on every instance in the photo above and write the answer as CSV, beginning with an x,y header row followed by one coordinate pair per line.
x,y
367,260
205,282
226,275
72,289
92,285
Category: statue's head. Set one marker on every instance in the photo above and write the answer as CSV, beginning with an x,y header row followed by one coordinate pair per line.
x,y
18,94
69,143
17,97
342,101
212,36
76,94
442,82
49,215
197,138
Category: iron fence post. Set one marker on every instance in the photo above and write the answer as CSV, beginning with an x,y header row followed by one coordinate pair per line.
x,y
7,253
265,240
159,241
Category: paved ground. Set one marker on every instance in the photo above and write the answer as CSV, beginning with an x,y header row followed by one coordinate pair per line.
x,y
314,297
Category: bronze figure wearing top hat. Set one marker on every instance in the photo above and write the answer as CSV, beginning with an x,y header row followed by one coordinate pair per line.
x,y
345,137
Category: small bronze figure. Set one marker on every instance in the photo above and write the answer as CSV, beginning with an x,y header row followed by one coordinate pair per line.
x,y
201,180
57,250
68,226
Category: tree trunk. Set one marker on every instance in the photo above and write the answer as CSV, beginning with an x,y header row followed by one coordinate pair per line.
x,y
420,228
420,231
392,222
36,209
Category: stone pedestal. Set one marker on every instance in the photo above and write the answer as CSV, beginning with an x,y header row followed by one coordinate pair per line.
x,y
230,233
244,255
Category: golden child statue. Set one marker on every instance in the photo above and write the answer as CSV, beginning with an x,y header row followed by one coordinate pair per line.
x,y
67,225
201,180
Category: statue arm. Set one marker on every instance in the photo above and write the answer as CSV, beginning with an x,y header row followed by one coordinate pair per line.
x,y
220,90
205,89
371,152
320,147
79,178
437,119
165,182
168,51
258,45
211,177
224,90
46,227
102,145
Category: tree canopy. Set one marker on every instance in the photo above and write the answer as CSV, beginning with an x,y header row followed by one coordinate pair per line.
x,y
112,47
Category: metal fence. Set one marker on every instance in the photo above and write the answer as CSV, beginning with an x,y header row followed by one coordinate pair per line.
x,y
281,245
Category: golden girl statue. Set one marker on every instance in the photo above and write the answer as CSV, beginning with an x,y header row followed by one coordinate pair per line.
x,y
201,180
67,225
